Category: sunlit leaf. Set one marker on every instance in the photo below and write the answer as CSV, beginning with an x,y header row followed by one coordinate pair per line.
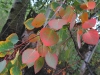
x,y
28,24
84,17
91,37
15,70
2,65
29,56
6,45
54,5
33,38
48,36
51,60
39,20
60,12
72,23
57,23
13,38
38,64
89,24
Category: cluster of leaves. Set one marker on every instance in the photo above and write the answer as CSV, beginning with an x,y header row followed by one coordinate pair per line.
x,y
48,37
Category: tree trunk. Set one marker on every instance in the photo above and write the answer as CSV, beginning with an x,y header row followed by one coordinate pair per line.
x,y
14,23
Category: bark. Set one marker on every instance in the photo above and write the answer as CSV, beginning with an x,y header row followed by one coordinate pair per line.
x,y
14,23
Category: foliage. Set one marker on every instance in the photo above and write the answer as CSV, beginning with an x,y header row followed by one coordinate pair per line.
x,y
54,41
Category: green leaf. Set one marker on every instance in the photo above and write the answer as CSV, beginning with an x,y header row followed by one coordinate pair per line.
x,y
38,64
28,24
15,70
6,45
13,38
2,65
54,5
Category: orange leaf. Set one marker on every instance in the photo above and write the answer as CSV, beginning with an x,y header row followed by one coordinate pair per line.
x,y
60,11
42,49
91,37
89,5
84,17
48,36
39,20
83,6
33,38
69,14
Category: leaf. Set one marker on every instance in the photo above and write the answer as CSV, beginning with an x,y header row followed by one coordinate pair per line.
x,y
84,17
6,45
2,54
78,38
60,12
15,70
2,65
48,37
89,24
33,38
51,60
30,64
42,49
54,5
28,24
29,56
13,38
22,66
68,14
38,64
72,23
39,20
15,59
88,5
57,23
91,37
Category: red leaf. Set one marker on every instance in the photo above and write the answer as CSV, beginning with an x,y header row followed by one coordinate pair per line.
x,y
89,24
48,36
29,56
51,60
38,64
57,23
89,5
72,21
91,37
